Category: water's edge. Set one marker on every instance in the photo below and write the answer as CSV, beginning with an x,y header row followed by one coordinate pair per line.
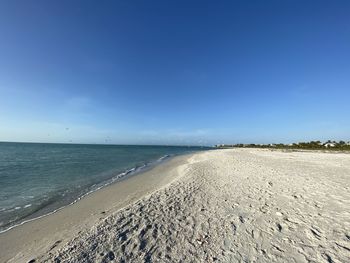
x,y
115,179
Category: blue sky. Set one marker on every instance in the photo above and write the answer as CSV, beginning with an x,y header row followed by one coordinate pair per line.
x,y
174,72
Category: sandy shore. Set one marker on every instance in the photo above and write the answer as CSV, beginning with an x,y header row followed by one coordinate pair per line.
x,y
35,238
236,205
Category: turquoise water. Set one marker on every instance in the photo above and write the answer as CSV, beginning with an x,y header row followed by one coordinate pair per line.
x,y
38,178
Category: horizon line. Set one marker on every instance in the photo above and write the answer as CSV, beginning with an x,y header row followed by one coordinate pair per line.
x,y
111,144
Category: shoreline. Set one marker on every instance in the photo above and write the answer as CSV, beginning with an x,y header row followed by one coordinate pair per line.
x,y
152,178
115,179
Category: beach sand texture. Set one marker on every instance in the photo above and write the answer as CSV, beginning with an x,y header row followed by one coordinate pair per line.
x,y
234,205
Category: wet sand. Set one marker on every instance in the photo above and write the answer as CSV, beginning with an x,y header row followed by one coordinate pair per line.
x,y
234,205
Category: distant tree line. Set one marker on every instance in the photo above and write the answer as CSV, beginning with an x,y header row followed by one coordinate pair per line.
x,y
329,145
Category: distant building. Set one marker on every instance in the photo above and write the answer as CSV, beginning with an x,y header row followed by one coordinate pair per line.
x,y
329,144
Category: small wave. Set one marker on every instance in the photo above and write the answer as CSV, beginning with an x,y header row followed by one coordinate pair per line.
x,y
164,157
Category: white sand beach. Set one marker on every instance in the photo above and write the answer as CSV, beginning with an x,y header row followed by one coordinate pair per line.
x,y
234,205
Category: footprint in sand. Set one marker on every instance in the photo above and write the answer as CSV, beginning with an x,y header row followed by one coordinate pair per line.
x,y
279,227
241,218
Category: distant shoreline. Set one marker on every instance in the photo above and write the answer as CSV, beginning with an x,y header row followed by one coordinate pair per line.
x,y
311,145
324,150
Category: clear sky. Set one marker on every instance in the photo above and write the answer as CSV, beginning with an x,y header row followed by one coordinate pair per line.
x,y
174,72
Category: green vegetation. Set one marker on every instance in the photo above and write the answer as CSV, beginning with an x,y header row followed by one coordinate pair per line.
x,y
312,145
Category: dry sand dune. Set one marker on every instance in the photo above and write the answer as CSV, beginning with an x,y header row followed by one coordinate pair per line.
x,y
240,205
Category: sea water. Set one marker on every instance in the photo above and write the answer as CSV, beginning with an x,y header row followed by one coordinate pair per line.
x,y
39,178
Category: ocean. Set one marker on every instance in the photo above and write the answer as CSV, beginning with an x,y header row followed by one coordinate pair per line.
x,y
38,178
